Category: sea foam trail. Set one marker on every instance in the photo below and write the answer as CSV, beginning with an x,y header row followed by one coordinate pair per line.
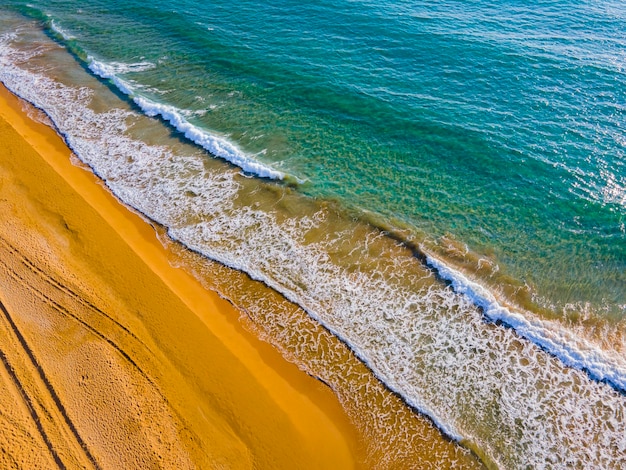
x,y
572,350
215,145
479,382
60,31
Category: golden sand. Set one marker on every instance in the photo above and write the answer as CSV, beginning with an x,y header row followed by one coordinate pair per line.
x,y
112,358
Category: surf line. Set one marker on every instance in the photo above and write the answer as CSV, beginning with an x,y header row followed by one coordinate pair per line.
x,y
215,145
594,362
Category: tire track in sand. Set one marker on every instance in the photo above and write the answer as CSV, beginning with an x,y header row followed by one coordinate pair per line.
x,y
29,405
41,375
56,306
65,290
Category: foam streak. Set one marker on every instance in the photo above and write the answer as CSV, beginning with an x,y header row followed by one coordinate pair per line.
x,y
215,145
574,352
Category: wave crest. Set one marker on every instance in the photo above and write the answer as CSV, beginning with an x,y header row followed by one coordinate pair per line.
x,y
215,145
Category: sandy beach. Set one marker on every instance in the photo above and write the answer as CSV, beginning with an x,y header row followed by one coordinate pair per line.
x,y
111,358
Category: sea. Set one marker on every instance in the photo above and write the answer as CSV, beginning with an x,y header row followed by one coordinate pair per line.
x,y
440,184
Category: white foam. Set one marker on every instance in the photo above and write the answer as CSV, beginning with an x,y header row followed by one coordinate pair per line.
x,y
61,32
430,344
116,68
217,146
573,351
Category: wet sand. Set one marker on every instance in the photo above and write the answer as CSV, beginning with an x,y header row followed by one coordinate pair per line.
x,y
112,358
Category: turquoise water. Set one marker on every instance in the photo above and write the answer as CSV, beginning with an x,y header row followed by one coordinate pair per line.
x,y
497,123
487,136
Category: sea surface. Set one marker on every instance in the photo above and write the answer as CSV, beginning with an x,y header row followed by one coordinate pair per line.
x,y
441,184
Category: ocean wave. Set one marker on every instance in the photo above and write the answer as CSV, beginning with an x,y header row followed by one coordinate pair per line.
x,y
570,349
217,146
65,35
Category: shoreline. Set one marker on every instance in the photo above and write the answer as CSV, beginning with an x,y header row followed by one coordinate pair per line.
x,y
257,391
161,327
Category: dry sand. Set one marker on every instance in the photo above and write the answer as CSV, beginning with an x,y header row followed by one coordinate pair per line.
x,y
111,358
